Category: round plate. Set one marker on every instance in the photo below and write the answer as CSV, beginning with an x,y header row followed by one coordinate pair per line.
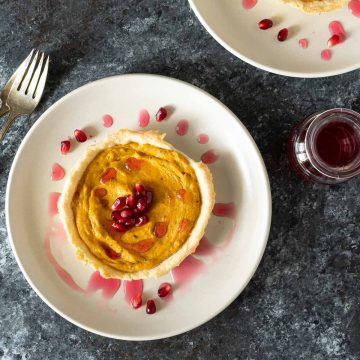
x,y
237,31
239,177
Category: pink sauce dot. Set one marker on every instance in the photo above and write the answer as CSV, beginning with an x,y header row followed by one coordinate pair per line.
x,y
336,28
182,127
354,7
225,210
187,270
57,172
205,247
144,118
132,288
303,43
202,139
209,157
107,120
248,4
108,287
326,55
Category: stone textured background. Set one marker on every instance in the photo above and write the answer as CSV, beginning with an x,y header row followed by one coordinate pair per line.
x,y
303,302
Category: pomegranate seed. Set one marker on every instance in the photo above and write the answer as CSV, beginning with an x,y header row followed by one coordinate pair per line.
x,y
141,220
126,213
149,197
150,307
108,175
334,40
136,301
119,227
80,136
141,204
139,189
112,254
131,201
130,222
119,203
161,114
164,289
265,24
65,147
160,229
101,192
283,34
116,215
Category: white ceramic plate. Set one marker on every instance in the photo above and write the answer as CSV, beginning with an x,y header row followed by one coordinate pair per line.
x,y
236,29
239,176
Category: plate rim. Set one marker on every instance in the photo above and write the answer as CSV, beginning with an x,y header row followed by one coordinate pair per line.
x,y
267,197
294,74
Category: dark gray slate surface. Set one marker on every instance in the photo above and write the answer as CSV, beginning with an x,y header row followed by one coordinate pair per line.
x,y
303,302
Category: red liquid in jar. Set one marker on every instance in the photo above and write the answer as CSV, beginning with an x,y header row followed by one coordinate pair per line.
x,y
337,144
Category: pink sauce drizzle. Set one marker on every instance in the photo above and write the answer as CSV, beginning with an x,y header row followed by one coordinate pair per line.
x,y
205,247
57,172
326,55
202,139
109,287
209,157
144,118
187,270
107,120
132,288
336,28
248,4
182,127
354,7
53,203
225,210
303,43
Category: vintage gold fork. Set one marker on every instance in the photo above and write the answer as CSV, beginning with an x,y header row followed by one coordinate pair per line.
x,y
24,89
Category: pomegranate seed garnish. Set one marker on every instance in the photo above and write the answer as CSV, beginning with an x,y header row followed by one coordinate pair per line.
x,y
160,229
136,301
164,289
149,197
119,227
126,213
283,34
141,204
130,222
334,40
139,189
133,164
108,175
101,192
131,201
161,114
65,147
150,307
265,24
112,254
116,215
119,203
141,220
80,136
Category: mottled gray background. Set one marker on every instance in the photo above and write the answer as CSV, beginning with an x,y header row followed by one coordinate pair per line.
x,y
303,302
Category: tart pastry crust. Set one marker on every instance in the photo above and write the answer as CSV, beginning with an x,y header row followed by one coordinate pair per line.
x,y
83,253
316,6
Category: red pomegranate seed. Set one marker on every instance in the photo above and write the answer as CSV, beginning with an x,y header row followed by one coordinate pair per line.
x,y
160,229
65,147
130,222
161,114
126,213
133,164
265,24
116,215
131,201
164,289
119,227
112,254
136,301
108,175
283,34
181,194
150,307
334,40
80,136
119,203
141,220
141,204
149,197
101,192
139,189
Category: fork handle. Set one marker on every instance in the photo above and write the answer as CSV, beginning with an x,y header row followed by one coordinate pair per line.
x,y
12,116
